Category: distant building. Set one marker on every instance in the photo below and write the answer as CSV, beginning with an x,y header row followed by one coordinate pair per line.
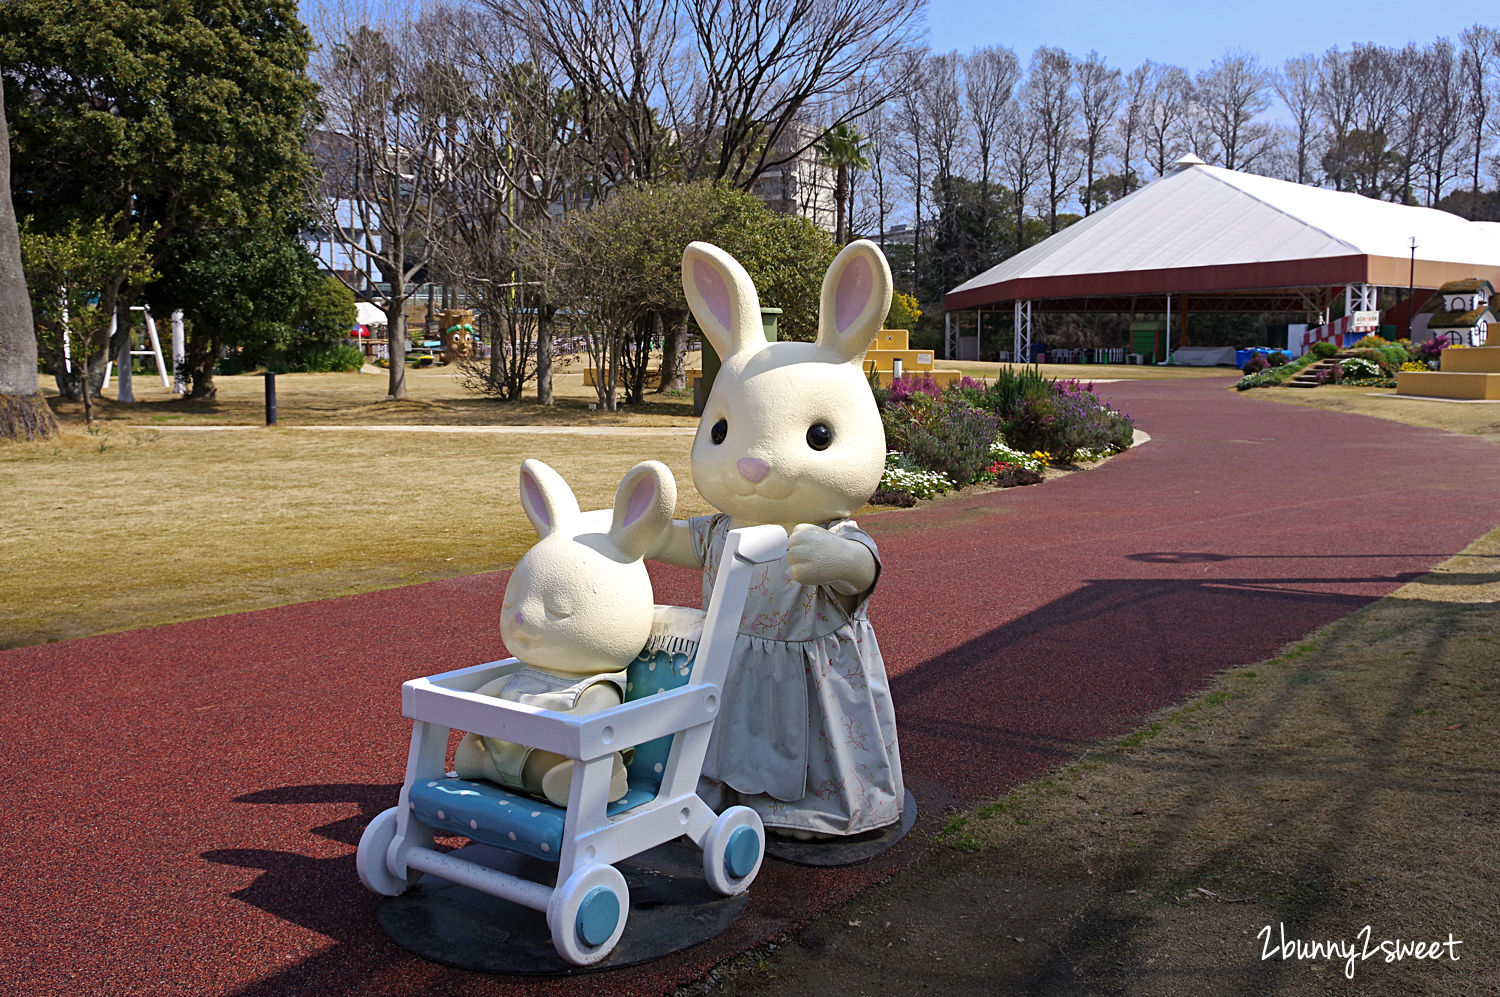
x,y
336,256
800,186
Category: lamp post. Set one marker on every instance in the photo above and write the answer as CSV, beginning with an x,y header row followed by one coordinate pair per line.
x,y
1411,285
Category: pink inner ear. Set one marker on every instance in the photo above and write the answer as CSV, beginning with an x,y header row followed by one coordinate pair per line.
x,y
713,290
853,294
641,499
534,499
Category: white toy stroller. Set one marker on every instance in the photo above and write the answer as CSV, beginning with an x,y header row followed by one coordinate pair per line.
x,y
671,703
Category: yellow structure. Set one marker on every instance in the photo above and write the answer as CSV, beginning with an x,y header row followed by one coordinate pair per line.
x,y
1470,374
891,345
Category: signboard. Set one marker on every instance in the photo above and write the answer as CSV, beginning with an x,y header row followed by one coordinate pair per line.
x,y
1365,322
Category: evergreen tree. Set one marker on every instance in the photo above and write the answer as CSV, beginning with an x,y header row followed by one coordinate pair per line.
x,y
182,120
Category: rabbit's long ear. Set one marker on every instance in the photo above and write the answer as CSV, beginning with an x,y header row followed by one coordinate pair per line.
x,y
723,300
546,497
644,504
856,299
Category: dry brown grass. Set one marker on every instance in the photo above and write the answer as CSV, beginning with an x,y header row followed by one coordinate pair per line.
x,y
135,527
435,395
172,510
1350,781
1471,418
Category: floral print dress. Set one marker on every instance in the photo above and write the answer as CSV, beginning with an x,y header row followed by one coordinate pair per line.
x,y
807,736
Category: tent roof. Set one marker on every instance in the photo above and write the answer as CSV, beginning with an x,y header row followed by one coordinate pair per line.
x,y
1206,230
368,314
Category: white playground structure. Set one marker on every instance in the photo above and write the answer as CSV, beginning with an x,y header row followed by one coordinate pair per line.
x,y
176,383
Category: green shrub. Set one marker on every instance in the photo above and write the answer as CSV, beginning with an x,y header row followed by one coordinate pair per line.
x,y
332,359
1277,375
954,442
1069,421
1322,351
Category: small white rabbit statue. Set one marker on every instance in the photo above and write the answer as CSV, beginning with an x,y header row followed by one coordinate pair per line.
x,y
577,610
791,435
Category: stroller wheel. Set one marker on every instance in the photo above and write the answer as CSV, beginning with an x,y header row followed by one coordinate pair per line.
x,y
733,850
370,859
586,915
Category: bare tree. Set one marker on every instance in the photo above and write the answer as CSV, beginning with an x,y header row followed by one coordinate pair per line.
x,y
1020,162
1131,124
990,77
24,414
911,157
1297,86
1442,120
380,158
1418,87
1231,94
708,88
941,123
1100,91
525,163
1477,48
763,66
1048,95
881,130
1338,100
1364,157
621,62
1166,115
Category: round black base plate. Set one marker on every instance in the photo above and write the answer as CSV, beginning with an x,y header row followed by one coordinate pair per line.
x,y
671,908
829,852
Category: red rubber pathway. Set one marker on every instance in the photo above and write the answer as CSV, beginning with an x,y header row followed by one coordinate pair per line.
x,y
182,803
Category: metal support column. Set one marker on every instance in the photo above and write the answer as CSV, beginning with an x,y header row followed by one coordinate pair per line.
x,y
1022,352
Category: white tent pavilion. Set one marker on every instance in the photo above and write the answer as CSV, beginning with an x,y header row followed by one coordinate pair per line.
x,y
368,314
1210,239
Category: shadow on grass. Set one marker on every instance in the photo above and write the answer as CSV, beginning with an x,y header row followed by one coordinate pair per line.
x,y
1341,793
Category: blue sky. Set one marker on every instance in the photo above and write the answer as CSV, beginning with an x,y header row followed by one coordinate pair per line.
x,y
1193,34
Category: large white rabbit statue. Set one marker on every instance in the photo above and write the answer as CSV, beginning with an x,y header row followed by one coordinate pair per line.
x,y
791,435
576,611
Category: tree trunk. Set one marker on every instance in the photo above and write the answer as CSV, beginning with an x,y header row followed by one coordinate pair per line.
x,y
24,414
202,354
840,195
396,337
543,354
673,353
88,397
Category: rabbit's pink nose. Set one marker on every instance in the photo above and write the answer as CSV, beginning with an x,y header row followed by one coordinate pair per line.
x,y
753,469
520,620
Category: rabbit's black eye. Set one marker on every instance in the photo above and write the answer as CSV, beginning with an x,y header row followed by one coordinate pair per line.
x,y
720,430
819,436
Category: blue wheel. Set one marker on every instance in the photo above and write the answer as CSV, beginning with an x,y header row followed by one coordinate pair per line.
x,y
587,914
733,850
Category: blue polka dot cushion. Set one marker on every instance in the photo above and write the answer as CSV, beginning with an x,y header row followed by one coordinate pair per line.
x,y
664,663
495,816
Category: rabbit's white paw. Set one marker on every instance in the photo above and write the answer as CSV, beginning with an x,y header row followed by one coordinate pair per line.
x,y
818,557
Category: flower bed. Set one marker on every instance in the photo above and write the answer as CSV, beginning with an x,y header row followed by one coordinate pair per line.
x,y
1005,432
1371,362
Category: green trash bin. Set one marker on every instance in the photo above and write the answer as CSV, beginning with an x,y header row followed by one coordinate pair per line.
x,y
711,362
